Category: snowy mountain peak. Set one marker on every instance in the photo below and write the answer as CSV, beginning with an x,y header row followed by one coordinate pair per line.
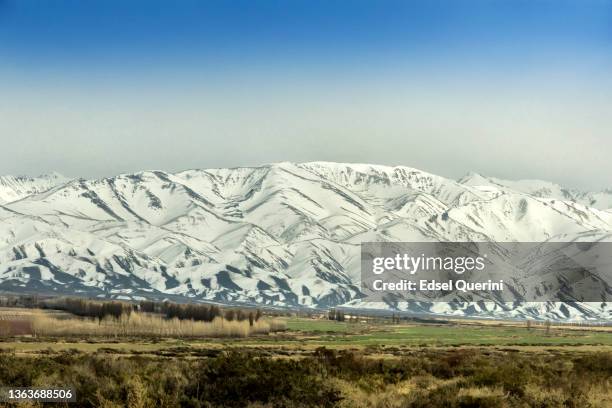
x,y
279,234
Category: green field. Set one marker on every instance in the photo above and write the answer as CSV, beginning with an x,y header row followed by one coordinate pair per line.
x,y
337,333
448,336
311,325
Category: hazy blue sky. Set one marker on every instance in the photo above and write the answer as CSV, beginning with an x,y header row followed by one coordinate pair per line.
x,y
514,89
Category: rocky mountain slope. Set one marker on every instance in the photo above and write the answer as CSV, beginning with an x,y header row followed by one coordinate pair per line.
x,y
280,234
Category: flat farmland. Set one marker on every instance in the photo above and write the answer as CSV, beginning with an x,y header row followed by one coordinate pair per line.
x,y
322,363
303,335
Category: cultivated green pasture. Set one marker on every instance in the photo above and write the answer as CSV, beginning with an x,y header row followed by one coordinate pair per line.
x,y
337,333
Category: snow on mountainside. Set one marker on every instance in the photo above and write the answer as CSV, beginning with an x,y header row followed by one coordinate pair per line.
x,y
279,234
544,189
13,188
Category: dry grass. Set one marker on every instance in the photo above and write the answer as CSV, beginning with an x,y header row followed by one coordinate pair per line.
x,y
482,378
411,392
143,324
371,392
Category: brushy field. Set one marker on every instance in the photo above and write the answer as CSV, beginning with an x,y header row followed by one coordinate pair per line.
x,y
324,378
147,360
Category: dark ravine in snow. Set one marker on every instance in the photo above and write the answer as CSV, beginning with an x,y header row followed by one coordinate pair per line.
x,y
283,234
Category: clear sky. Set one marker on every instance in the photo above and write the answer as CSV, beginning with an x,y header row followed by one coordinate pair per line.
x,y
513,89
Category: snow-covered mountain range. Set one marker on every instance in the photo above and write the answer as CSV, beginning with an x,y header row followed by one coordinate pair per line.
x,y
281,234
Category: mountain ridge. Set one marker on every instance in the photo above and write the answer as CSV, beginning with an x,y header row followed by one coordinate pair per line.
x,y
283,234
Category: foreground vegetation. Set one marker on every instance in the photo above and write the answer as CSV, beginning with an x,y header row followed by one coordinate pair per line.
x,y
325,378
118,354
